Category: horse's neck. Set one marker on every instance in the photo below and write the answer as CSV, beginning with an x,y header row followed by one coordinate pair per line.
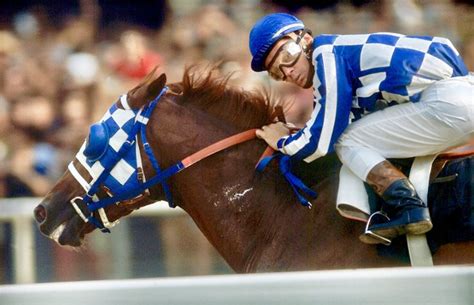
x,y
253,220
223,195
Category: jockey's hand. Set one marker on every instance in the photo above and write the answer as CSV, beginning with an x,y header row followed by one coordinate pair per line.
x,y
272,133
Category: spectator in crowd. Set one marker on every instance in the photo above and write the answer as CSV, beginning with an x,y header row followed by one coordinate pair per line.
x,y
136,59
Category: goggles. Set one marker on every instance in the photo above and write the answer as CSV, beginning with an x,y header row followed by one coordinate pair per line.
x,y
286,56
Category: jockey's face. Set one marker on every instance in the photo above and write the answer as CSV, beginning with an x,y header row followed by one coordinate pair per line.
x,y
288,61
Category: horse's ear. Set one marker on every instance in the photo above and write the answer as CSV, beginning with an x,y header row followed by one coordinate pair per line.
x,y
155,87
147,90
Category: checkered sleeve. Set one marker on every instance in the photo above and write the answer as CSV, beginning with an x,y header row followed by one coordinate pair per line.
x,y
330,116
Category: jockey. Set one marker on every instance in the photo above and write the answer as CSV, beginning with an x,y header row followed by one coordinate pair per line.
x,y
376,96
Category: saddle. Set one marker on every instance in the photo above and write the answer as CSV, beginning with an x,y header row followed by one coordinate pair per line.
x,y
356,200
443,181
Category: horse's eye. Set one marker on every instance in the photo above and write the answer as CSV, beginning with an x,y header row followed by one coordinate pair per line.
x,y
97,142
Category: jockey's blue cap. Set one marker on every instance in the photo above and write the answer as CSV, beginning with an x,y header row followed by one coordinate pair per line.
x,y
266,32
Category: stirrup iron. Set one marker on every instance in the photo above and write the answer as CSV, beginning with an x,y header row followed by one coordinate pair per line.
x,y
376,237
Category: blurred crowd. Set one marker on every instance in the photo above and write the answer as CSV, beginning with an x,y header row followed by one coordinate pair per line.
x,y
57,79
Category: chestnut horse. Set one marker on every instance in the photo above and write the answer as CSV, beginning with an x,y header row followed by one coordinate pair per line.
x,y
253,220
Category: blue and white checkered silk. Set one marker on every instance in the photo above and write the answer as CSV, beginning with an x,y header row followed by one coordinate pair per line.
x,y
119,123
353,72
396,66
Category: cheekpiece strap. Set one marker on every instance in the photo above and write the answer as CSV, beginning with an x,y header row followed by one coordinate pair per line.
x,y
150,154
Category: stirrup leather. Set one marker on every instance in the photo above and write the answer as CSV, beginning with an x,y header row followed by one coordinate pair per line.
x,y
369,234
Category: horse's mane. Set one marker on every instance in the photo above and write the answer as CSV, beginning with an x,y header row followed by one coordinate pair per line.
x,y
213,94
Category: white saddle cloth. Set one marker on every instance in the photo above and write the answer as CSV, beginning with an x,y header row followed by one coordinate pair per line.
x,y
352,200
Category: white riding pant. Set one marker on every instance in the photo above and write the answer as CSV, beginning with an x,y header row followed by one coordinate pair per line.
x,y
443,118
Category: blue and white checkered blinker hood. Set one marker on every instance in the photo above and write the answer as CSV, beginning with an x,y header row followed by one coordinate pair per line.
x,y
111,156
103,144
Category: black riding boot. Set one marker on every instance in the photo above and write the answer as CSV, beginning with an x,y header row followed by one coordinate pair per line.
x,y
404,210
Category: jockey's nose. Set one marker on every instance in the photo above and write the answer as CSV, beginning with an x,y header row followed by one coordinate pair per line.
x,y
288,70
40,213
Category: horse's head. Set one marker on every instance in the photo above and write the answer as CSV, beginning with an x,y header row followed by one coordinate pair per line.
x,y
101,169
195,113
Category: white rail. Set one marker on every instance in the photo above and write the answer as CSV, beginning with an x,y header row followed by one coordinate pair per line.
x,y
394,286
19,211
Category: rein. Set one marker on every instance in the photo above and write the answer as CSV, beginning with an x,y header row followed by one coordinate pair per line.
x,y
176,168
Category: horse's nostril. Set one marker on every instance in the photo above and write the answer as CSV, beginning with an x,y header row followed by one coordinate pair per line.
x,y
40,213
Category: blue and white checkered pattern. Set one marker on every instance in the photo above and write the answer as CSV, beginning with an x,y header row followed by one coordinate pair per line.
x,y
352,72
119,123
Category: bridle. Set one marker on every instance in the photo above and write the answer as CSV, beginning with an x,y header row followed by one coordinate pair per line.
x,y
94,203
141,188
